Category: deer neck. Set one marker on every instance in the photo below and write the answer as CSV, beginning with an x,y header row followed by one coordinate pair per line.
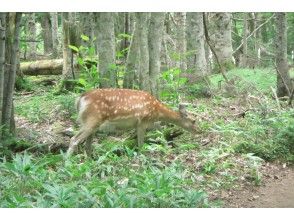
x,y
169,116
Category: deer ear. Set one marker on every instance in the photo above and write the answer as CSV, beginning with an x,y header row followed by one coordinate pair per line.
x,y
182,110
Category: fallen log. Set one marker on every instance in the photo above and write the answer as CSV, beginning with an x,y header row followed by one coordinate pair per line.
x,y
51,67
42,67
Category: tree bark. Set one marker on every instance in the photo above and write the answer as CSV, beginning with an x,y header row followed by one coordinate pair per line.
x,y
31,36
143,23
87,27
132,60
244,56
221,37
195,44
47,32
2,63
55,41
106,49
67,70
181,40
12,39
283,79
155,42
42,67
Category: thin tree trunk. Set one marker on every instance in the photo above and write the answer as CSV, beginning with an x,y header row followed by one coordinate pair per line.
x,y
155,42
132,60
243,61
106,49
143,23
2,63
67,52
14,26
181,40
47,32
87,27
195,43
283,79
55,41
127,28
31,36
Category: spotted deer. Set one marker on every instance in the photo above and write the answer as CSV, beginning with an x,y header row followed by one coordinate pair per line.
x,y
121,109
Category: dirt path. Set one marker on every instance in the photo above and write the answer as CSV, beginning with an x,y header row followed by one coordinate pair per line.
x,y
277,191
276,194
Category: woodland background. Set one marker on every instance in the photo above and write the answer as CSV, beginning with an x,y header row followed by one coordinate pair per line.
x,y
234,71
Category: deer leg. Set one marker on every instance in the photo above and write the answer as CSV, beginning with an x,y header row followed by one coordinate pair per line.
x,y
82,135
88,145
141,130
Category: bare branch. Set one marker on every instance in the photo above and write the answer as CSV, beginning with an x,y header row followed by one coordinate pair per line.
x,y
276,98
250,35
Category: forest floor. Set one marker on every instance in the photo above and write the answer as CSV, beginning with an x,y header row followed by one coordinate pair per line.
x,y
238,160
276,191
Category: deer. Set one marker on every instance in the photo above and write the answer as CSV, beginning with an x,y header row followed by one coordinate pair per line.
x,y
123,109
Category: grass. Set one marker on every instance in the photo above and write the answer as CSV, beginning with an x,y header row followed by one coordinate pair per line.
x,y
261,79
185,174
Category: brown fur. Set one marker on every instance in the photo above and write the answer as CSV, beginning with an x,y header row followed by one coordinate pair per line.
x,y
123,108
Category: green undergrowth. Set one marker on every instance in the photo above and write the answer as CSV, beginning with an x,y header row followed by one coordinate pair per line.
x,y
248,79
187,171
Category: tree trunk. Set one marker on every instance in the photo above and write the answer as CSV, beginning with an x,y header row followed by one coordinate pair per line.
x,y
195,44
55,41
67,70
221,37
244,56
2,63
283,79
87,25
127,29
12,42
31,37
106,49
155,42
143,24
132,60
47,32
181,40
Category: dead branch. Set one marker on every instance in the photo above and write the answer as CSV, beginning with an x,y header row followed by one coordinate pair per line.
x,y
291,97
276,98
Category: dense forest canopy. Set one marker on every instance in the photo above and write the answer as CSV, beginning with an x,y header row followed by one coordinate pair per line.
x,y
227,77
